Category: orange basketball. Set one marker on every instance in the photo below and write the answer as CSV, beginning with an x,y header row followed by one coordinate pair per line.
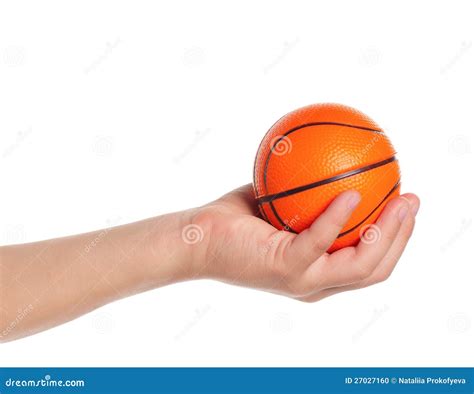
x,y
313,154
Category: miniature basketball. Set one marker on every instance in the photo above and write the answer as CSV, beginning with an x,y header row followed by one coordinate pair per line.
x,y
313,154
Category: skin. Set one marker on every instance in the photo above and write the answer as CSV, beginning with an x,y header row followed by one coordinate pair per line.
x,y
47,283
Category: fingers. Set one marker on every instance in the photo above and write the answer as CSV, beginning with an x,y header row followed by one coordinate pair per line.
x,y
313,242
354,264
386,266
381,273
389,261
386,229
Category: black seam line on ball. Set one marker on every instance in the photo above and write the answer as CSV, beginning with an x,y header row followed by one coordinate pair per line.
x,y
377,207
344,175
288,228
302,127
285,226
333,124
263,213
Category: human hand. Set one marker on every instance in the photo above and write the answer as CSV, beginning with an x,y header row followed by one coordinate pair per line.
x,y
237,247
223,240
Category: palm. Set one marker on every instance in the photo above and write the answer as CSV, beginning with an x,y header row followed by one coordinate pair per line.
x,y
245,250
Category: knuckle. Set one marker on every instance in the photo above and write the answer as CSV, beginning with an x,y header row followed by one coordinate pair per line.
x,y
338,221
311,298
363,270
321,245
305,300
391,236
303,288
382,277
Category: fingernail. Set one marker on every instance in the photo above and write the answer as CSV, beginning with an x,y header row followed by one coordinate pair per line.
x,y
402,213
414,206
353,200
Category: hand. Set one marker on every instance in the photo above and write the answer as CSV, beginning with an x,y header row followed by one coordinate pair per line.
x,y
57,280
237,247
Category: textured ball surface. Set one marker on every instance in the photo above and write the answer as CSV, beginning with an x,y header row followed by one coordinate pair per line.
x,y
313,154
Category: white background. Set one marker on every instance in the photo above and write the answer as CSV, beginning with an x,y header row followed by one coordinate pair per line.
x,y
113,111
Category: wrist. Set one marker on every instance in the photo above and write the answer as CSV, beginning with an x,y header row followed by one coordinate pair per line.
x,y
177,245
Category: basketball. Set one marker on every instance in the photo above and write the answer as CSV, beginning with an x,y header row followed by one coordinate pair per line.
x,y
311,155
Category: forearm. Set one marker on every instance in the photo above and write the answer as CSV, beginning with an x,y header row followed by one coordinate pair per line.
x,y
47,283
